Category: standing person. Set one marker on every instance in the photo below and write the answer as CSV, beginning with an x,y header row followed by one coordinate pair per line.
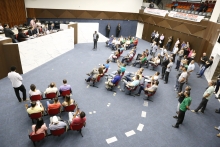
x,y
108,28
169,43
206,96
175,50
217,84
176,86
207,65
182,78
163,52
118,30
181,97
153,35
33,23
95,39
16,81
168,70
190,69
161,40
203,60
164,65
180,56
183,107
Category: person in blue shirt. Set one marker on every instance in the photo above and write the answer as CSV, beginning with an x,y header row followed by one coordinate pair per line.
x,y
174,6
132,84
111,82
106,66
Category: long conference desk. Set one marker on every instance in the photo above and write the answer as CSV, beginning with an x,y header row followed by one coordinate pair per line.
x,y
32,53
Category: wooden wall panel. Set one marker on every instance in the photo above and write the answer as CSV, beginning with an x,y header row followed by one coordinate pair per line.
x,y
12,12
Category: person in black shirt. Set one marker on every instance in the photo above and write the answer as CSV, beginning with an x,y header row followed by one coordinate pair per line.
x,y
21,35
8,32
31,31
108,28
118,30
207,65
181,97
217,84
164,65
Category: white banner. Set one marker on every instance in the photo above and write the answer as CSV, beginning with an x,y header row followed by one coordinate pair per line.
x,y
185,16
156,11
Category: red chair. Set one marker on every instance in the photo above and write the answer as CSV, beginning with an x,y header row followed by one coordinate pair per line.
x,y
34,116
96,80
64,93
122,74
149,94
36,137
36,97
69,108
50,95
131,89
58,132
106,70
53,112
77,127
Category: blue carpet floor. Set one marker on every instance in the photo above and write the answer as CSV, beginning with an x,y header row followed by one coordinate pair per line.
x,y
123,114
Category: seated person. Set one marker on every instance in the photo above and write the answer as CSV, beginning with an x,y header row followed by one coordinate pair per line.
x,y
111,82
108,42
94,74
32,32
174,6
114,55
78,117
129,55
34,91
121,39
105,66
51,27
39,31
68,101
155,61
40,127
127,44
132,84
65,87
142,60
45,29
131,76
56,104
152,88
147,52
36,107
122,68
122,48
117,43
51,88
152,78
21,35
56,123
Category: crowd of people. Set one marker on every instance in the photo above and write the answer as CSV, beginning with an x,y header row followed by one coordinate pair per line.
x,y
35,29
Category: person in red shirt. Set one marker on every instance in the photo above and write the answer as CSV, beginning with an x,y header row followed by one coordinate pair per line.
x,y
55,105
135,42
77,118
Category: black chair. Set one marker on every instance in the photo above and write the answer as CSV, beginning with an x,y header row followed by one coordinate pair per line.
x,y
67,22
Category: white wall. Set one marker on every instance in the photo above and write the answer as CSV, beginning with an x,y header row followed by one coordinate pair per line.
x,y
99,5
216,12
139,32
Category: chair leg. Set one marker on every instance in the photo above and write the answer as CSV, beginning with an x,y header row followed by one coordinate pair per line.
x,y
80,131
32,121
130,94
34,143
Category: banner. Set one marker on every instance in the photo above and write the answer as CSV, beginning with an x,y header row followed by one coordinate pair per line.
x,y
156,11
185,16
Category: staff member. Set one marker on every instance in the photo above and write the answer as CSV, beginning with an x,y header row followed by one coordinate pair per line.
x,y
118,30
16,81
108,28
9,33
95,39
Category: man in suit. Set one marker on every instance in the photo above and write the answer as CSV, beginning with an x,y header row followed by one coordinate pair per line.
x,y
108,28
95,39
8,32
118,29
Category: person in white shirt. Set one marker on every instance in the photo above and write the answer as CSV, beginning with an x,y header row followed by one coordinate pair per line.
x,y
34,91
168,70
177,42
182,79
16,81
175,50
152,78
162,53
190,69
51,89
32,23
154,48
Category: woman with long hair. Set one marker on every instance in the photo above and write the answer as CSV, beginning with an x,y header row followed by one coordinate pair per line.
x,y
40,127
68,101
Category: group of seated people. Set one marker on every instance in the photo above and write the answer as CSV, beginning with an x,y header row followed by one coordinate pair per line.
x,y
122,42
55,122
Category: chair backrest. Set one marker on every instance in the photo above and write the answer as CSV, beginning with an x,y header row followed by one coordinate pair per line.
x,y
54,111
150,93
64,93
70,108
116,84
35,115
50,95
57,132
76,126
98,78
37,137
122,74
36,97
